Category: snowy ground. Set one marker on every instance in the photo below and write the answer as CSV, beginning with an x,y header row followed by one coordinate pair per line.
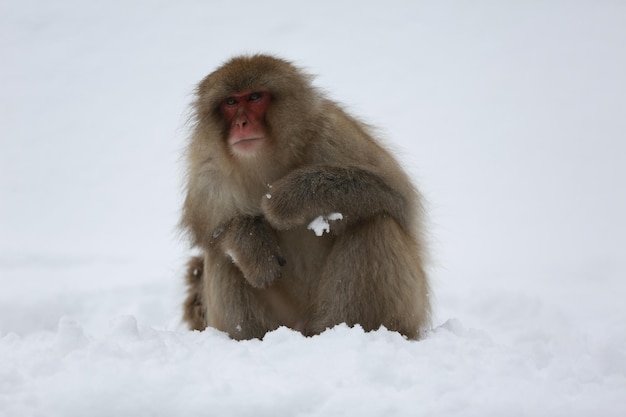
x,y
509,115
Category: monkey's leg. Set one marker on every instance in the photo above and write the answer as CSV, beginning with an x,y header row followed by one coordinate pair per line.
x,y
193,308
373,277
233,305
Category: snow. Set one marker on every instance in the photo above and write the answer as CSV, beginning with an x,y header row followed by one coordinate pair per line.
x,y
508,115
320,224
231,255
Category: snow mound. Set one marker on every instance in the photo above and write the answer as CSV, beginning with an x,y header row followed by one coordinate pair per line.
x,y
132,370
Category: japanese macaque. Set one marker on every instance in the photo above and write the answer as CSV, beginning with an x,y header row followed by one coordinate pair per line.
x,y
302,217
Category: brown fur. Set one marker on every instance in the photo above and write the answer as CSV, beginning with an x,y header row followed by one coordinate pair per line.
x,y
262,268
194,309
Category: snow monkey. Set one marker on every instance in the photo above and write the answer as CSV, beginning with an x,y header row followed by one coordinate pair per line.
x,y
269,159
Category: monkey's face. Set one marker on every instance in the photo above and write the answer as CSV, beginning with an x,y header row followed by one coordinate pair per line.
x,y
244,113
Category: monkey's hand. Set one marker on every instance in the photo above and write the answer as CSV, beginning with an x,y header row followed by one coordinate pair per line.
x,y
307,193
252,245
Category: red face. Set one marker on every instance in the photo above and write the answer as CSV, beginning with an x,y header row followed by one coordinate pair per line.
x,y
245,113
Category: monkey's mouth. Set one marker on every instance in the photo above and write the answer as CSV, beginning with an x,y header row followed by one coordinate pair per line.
x,y
247,145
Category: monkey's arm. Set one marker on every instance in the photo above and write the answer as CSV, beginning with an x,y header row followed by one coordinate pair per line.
x,y
307,193
252,245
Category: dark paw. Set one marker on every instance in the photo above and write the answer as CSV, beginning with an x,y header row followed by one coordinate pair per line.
x,y
260,271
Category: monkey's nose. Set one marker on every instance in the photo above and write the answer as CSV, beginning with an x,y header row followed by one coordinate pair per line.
x,y
241,123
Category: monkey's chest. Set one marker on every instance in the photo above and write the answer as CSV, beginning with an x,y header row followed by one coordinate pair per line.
x,y
305,255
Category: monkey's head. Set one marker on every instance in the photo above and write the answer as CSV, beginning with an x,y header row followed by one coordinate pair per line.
x,y
256,103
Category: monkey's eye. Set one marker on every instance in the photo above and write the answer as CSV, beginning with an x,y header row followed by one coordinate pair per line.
x,y
230,101
255,96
